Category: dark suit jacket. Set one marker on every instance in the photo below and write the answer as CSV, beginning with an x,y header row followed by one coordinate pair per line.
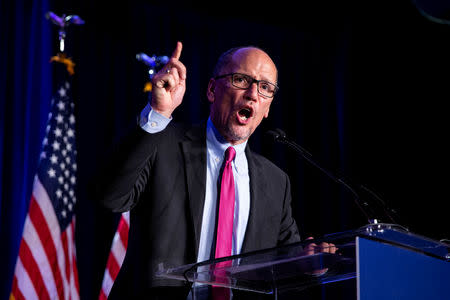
x,y
161,177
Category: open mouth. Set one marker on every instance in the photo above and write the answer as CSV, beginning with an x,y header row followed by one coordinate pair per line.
x,y
245,113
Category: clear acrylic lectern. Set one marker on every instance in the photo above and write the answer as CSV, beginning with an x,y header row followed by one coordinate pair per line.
x,y
379,261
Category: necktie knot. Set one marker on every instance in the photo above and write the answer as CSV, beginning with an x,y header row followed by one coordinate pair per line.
x,y
230,153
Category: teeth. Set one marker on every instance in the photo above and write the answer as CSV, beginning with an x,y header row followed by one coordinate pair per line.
x,y
244,114
242,117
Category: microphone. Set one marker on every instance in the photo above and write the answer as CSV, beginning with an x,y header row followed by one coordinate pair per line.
x,y
154,61
280,136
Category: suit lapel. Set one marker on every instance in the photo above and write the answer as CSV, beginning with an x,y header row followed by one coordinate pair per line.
x,y
194,151
259,201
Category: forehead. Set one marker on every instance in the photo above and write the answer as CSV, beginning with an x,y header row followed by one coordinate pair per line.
x,y
253,62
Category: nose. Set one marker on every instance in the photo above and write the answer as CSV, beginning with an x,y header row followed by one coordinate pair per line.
x,y
252,92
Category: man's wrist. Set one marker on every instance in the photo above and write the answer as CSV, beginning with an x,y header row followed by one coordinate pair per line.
x,y
166,114
152,121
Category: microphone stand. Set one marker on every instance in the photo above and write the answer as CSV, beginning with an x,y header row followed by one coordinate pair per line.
x,y
279,136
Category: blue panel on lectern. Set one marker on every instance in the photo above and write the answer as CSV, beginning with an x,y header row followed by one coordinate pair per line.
x,y
390,272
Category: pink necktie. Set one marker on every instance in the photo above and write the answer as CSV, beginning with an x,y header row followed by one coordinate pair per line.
x,y
225,220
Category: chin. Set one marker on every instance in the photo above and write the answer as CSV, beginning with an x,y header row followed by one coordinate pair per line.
x,y
238,135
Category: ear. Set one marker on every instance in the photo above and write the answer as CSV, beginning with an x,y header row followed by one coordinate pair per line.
x,y
210,91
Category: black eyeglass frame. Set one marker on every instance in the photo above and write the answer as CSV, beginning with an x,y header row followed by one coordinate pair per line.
x,y
253,81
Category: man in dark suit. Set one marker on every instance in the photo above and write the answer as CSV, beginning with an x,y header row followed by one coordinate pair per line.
x,y
167,175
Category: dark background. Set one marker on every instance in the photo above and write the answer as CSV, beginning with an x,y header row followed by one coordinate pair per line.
x,y
363,87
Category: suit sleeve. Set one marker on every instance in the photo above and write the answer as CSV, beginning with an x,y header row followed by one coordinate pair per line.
x,y
126,172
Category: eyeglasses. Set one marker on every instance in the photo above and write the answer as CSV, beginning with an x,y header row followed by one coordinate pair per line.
x,y
242,81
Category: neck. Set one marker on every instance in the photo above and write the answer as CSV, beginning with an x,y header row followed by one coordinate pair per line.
x,y
223,136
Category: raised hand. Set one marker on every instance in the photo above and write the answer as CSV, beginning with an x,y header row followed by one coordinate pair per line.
x,y
169,85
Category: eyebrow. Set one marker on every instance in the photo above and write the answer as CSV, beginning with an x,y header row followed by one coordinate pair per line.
x,y
263,79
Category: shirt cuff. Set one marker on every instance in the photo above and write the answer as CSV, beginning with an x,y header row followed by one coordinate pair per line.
x,y
152,121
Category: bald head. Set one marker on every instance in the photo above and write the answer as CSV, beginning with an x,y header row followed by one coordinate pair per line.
x,y
232,54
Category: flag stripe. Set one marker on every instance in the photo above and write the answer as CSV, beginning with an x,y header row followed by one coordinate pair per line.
x,y
75,287
17,295
68,232
74,262
24,285
33,271
118,251
66,254
113,266
107,283
123,231
39,223
102,295
43,200
71,261
116,255
32,238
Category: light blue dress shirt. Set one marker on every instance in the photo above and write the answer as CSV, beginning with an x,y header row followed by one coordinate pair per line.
x,y
153,122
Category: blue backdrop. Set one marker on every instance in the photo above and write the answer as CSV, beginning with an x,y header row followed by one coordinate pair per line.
x,y
25,91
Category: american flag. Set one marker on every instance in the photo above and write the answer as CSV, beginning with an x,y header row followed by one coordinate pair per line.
x,y
46,264
116,255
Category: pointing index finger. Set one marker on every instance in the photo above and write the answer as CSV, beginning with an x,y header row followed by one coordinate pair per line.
x,y
177,52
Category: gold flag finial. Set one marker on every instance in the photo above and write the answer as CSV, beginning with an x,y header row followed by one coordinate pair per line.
x,y
67,61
